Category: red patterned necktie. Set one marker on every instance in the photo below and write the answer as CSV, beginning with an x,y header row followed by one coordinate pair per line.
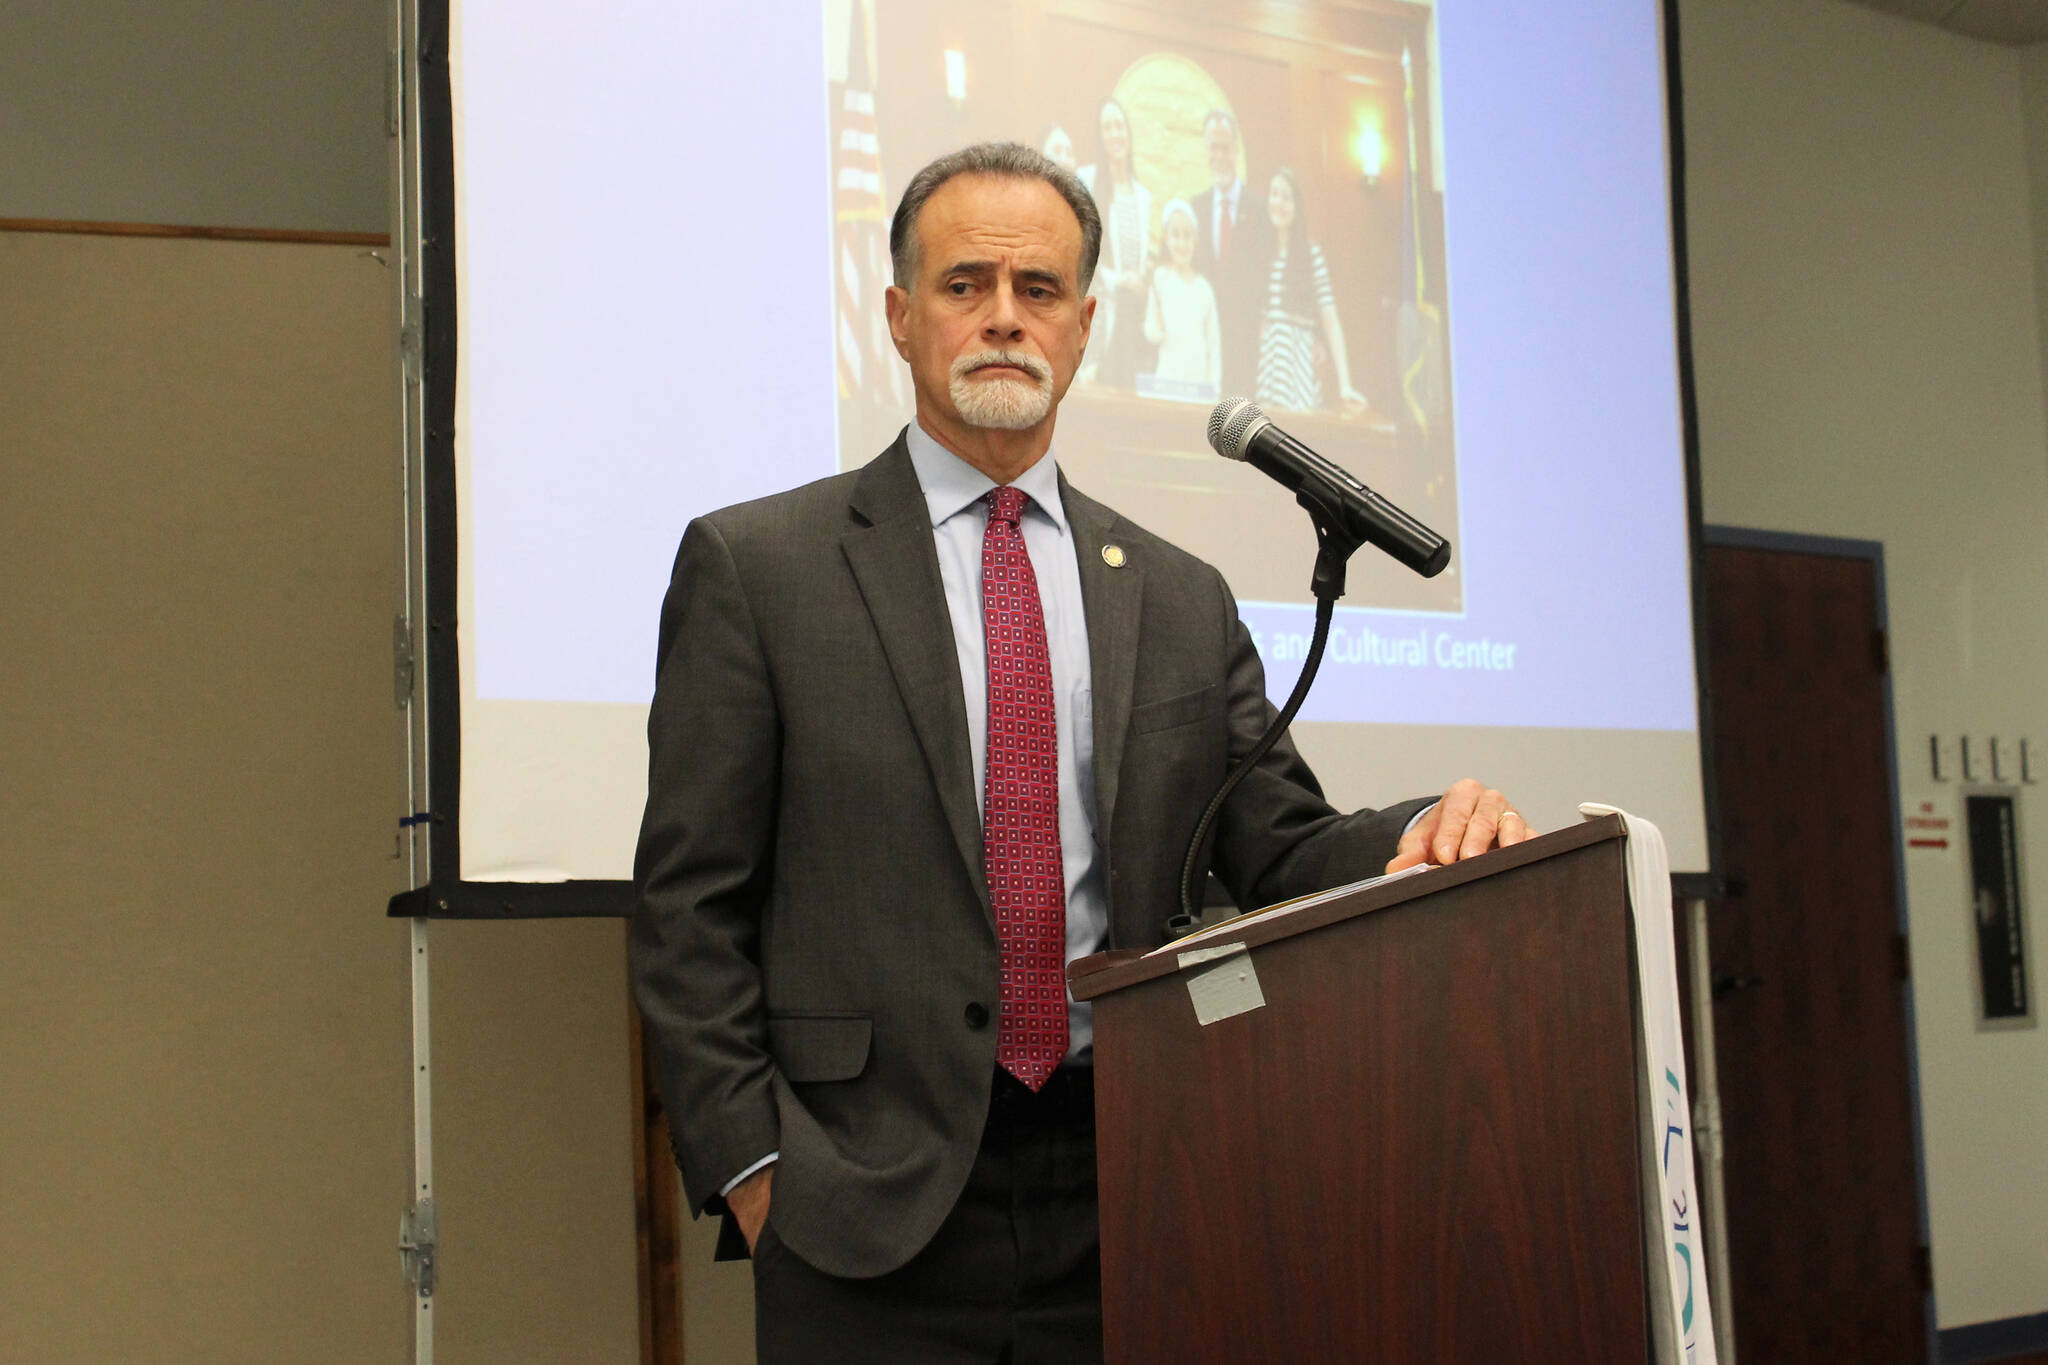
x,y
1021,804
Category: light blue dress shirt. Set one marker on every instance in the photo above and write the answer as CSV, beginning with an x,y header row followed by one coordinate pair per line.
x,y
954,491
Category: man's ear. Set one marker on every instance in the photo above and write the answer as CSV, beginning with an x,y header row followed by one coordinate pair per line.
x,y
897,302
1087,319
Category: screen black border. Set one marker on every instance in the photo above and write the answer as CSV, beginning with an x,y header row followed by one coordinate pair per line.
x,y
445,895
1711,884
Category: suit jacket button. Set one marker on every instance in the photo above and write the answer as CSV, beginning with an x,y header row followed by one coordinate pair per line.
x,y
977,1015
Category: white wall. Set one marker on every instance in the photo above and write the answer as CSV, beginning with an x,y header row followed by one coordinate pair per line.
x,y
2033,63
1869,365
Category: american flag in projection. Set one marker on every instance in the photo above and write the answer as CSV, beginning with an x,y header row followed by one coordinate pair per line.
x,y
861,235
1419,324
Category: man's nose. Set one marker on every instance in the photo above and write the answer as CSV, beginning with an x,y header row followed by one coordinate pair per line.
x,y
1004,322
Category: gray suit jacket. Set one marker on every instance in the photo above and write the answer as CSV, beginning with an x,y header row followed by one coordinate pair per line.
x,y
1240,280
814,943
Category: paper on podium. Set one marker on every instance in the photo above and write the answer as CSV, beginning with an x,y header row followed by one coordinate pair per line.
x,y
1278,909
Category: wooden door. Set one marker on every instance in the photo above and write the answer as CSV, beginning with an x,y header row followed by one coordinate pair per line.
x,y
657,1214
1809,1016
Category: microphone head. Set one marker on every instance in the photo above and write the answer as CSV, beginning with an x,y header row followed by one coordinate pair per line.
x,y
1232,426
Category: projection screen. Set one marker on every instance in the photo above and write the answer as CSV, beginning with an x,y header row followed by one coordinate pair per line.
x,y
670,240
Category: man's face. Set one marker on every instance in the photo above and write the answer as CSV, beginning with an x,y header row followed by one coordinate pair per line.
x,y
994,323
1221,140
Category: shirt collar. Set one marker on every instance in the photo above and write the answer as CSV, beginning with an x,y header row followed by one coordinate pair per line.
x,y
951,485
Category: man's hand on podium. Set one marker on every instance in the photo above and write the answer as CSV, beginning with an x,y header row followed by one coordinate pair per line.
x,y
1470,819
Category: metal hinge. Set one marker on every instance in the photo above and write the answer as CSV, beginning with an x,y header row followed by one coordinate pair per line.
x,y
416,1246
402,671
409,350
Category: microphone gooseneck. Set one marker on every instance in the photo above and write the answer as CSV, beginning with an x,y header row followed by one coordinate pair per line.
x,y
1187,920
1347,515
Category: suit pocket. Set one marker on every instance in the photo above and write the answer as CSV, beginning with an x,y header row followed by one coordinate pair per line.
x,y
820,1045
1184,709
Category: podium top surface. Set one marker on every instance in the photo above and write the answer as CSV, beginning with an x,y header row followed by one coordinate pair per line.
x,y
1121,968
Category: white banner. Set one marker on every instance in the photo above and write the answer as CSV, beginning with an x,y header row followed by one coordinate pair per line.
x,y
1681,1327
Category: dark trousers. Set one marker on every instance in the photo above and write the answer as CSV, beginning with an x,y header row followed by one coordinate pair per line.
x,y
1013,1276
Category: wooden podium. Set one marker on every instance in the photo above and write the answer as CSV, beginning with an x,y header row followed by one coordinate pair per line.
x,y
1422,1146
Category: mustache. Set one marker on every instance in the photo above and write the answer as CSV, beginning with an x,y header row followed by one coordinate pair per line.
x,y
1023,360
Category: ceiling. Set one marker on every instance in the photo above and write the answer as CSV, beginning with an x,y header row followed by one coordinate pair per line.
x,y
2014,22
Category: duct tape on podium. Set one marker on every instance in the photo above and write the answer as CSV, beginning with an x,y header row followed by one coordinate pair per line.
x,y
1226,985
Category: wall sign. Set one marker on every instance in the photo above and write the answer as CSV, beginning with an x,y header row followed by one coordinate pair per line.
x,y
1930,825
1992,819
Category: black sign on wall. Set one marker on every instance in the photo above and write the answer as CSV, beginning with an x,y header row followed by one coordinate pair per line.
x,y
1995,884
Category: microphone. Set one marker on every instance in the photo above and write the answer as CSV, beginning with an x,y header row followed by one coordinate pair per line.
x,y
1239,431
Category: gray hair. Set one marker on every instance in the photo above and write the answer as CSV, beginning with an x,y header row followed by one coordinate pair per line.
x,y
1009,159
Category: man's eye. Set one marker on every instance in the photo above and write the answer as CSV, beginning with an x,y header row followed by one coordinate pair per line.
x,y
958,287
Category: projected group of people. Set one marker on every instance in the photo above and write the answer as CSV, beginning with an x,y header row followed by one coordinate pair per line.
x,y
927,731
1232,297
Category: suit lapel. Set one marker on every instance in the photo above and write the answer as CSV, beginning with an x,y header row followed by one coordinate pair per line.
x,y
897,570
1111,596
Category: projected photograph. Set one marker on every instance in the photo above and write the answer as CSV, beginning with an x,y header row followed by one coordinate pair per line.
x,y
1272,229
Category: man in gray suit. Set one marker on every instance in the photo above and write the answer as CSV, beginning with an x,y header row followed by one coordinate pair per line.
x,y
1234,251
922,733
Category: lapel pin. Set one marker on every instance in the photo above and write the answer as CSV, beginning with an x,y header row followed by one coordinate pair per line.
x,y
1113,555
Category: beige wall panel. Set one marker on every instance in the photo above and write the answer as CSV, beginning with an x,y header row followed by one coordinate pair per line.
x,y
203,1012
204,1017
533,1144
223,113
1869,365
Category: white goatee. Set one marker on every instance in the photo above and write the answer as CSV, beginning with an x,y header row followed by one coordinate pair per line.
x,y
1005,403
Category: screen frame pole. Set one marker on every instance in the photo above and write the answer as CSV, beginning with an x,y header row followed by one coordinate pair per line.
x,y
418,1231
